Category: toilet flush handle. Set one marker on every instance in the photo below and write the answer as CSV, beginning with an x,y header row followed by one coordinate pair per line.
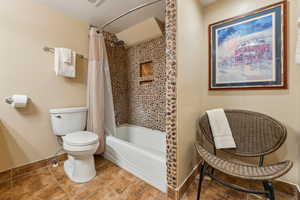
x,y
58,116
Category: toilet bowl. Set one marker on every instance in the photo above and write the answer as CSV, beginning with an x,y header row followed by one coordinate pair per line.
x,y
80,145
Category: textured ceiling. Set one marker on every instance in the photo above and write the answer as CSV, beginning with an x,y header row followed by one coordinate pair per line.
x,y
98,12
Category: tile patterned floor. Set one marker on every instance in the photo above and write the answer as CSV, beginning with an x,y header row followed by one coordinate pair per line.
x,y
111,183
214,191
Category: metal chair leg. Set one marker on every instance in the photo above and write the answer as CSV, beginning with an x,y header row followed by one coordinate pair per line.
x,y
212,171
202,174
269,188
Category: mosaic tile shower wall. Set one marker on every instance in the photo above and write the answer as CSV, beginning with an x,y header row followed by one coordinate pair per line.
x,y
171,107
147,102
171,96
138,104
117,56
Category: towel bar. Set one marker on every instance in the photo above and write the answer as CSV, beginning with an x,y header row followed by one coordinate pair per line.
x,y
51,50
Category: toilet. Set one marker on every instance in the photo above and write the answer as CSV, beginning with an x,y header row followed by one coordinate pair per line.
x,y
80,145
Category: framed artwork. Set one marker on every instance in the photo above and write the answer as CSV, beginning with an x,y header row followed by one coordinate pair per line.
x,y
250,51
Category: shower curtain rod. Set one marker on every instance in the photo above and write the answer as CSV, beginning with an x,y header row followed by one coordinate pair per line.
x,y
125,14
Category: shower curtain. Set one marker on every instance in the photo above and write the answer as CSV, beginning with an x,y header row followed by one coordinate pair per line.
x,y
101,116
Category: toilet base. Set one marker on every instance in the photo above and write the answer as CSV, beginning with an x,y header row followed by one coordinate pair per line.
x,y
80,169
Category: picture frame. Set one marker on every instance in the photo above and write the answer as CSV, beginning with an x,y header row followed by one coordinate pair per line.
x,y
250,51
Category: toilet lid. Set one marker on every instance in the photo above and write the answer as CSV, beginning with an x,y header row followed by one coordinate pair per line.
x,y
81,138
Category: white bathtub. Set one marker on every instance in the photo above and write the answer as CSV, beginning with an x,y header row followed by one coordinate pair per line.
x,y
141,151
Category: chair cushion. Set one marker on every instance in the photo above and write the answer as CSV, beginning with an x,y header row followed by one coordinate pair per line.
x,y
245,171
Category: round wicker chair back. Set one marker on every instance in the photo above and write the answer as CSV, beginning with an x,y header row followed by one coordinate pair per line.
x,y
255,134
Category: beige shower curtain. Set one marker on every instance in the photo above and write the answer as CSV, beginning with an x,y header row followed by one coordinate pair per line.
x,y
101,117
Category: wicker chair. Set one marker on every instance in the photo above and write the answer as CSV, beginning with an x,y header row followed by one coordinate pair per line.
x,y
256,135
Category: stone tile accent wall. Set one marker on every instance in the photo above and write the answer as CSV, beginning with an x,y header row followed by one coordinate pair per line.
x,y
117,56
142,105
171,96
171,106
147,102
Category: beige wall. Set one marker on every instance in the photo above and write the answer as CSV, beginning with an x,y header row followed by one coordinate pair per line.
x,y
191,50
283,105
25,28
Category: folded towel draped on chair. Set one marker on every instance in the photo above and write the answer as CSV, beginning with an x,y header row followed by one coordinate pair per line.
x,y
65,62
220,129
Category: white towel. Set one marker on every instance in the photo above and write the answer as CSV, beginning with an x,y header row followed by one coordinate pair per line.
x,y
220,129
298,43
67,55
63,68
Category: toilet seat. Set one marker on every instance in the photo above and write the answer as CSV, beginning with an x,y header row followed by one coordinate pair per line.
x,y
80,149
81,139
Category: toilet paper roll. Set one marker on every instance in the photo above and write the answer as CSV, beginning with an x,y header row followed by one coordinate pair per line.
x,y
19,101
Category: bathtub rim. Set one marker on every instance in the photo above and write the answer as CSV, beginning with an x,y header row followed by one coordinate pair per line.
x,y
137,148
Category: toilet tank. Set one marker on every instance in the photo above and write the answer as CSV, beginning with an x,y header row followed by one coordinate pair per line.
x,y
68,120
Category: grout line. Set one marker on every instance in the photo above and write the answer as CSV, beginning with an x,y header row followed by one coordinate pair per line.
x,y
58,183
90,195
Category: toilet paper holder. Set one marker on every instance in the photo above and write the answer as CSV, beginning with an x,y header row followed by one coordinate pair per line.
x,y
9,100
17,101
